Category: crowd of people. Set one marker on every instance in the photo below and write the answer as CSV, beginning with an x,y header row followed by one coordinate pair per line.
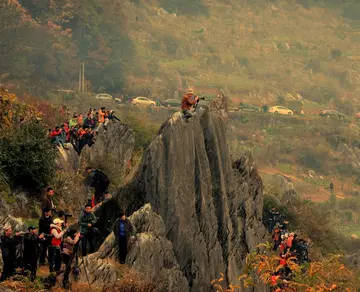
x,y
58,242
287,245
80,131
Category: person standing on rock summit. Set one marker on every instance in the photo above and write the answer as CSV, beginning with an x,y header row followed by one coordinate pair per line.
x,y
122,231
189,99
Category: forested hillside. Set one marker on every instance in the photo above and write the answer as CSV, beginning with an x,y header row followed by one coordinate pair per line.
x,y
262,50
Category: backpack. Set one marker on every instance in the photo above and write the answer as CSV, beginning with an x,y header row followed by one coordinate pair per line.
x,y
101,177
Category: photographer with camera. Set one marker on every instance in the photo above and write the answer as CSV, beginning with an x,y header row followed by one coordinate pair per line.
x,y
68,252
8,248
31,251
189,100
64,217
44,228
87,229
55,252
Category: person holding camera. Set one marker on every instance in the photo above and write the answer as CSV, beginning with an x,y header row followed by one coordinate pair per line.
x,y
8,248
55,252
87,229
189,100
31,251
71,239
44,228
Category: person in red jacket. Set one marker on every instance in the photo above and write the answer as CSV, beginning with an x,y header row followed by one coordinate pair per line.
x,y
55,254
55,136
189,99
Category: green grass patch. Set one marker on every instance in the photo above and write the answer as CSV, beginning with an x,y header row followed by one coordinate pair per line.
x,y
284,167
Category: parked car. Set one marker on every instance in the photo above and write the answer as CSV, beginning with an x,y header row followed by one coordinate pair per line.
x,y
104,96
248,107
332,113
280,110
172,102
143,101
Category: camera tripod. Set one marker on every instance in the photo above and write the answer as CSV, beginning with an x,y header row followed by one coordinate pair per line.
x,y
76,252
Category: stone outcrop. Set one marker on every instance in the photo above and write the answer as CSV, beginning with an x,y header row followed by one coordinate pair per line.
x,y
210,209
151,254
115,145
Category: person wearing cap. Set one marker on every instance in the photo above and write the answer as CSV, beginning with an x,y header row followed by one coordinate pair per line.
x,y
55,255
189,99
122,230
31,251
87,223
44,228
48,200
8,248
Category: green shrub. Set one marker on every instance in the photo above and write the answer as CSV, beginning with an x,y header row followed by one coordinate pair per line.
x,y
145,131
27,157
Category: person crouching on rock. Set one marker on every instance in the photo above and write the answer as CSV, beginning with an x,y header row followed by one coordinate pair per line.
x,y
55,256
122,231
31,251
8,248
67,253
189,99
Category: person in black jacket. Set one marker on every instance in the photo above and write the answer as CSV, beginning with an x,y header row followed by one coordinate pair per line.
x,y
8,248
44,228
122,231
31,251
99,181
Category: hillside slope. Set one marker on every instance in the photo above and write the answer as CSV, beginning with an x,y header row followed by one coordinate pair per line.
x,y
263,51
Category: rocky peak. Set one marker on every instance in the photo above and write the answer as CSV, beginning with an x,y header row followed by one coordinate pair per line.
x,y
210,208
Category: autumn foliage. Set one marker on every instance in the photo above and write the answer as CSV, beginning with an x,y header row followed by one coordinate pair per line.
x,y
318,276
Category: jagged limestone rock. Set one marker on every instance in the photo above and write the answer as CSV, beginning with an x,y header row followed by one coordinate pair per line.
x,y
151,255
115,145
211,211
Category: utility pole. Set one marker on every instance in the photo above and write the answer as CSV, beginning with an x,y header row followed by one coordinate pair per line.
x,y
80,79
83,77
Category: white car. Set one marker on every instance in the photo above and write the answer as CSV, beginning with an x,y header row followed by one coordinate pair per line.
x,y
143,101
280,110
104,96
